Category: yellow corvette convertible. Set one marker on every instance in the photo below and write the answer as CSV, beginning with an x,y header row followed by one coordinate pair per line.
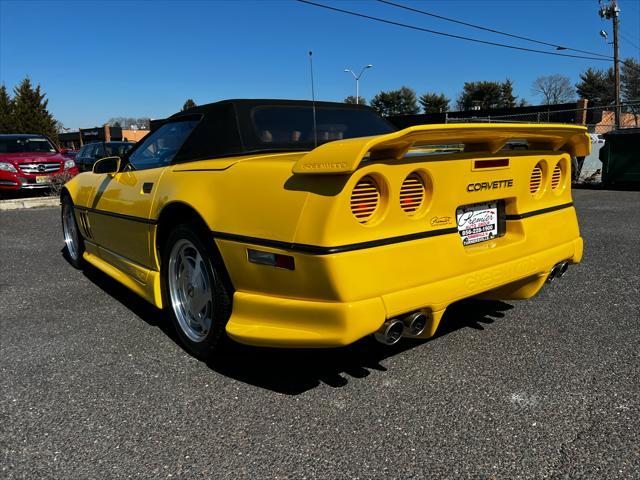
x,y
292,224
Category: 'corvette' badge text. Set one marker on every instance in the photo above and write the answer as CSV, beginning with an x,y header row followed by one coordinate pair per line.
x,y
476,187
326,166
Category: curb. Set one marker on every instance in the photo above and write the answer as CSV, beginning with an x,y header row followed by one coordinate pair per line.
x,y
20,203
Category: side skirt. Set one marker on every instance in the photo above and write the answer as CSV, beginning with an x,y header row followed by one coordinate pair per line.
x,y
149,290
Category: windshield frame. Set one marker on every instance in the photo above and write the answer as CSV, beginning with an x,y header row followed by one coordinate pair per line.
x,y
151,137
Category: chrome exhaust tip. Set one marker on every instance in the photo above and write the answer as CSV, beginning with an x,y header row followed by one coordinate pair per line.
x,y
553,273
562,269
390,332
414,324
558,270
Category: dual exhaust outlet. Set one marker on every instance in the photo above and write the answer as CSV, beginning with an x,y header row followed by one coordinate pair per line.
x,y
394,329
414,324
558,271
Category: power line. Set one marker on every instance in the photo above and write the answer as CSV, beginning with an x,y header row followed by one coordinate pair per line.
x,y
450,35
486,29
628,40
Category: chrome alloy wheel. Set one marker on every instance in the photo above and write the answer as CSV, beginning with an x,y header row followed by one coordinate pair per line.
x,y
70,231
190,290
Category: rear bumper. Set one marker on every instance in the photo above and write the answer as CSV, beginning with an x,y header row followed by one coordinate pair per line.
x,y
334,300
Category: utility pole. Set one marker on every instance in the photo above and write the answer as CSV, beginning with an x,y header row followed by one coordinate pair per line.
x,y
612,12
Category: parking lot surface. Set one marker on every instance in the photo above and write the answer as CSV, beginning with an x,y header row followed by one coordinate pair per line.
x,y
93,384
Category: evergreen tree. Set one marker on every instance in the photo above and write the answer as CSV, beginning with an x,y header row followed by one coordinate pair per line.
x,y
189,103
630,80
484,95
6,111
597,86
434,103
507,98
396,102
352,99
630,87
30,111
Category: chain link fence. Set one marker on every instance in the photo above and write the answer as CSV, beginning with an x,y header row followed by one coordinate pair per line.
x,y
598,120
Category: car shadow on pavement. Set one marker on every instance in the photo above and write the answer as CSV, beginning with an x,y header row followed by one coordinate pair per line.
x,y
295,371
140,307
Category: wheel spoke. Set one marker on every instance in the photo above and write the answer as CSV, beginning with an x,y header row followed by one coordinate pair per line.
x,y
184,262
196,321
200,300
197,271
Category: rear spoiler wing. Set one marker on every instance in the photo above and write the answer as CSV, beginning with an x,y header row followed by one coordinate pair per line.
x,y
344,156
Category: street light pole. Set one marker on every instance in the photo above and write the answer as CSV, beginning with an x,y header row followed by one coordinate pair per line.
x,y
357,79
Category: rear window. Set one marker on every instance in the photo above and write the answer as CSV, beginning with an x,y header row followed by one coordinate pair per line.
x,y
26,145
293,126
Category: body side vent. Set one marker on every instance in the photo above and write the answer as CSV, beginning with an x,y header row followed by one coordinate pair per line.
x,y
535,182
412,194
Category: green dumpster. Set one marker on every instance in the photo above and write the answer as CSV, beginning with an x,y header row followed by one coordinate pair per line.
x,y
620,157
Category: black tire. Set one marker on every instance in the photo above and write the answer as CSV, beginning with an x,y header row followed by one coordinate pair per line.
x,y
75,258
221,293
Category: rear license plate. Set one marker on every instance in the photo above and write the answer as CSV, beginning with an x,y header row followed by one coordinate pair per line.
x,y
478,222
43,179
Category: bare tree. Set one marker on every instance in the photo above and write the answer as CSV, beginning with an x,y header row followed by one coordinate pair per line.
x,y
554,89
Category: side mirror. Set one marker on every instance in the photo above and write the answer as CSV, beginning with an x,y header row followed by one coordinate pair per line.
x,y
109,165
63,151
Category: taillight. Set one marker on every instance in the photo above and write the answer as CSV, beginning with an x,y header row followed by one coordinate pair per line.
x,y
365,199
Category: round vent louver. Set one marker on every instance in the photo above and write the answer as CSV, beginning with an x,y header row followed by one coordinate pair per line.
x,y
365,199
556,176
536,179
412,194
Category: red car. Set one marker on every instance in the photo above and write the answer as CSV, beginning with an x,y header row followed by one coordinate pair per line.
x,y
30,161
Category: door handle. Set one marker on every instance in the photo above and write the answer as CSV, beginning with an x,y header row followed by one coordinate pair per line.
x,y
147,187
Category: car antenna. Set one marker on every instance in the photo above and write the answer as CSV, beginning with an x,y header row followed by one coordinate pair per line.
x,y
313,102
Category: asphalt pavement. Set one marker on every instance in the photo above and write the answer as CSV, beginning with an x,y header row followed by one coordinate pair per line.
x,y
94,386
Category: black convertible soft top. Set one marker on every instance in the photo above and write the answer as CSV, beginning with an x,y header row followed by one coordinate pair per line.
x,y
241,127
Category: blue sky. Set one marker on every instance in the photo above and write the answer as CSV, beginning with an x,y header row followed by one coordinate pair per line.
x,y
97,60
